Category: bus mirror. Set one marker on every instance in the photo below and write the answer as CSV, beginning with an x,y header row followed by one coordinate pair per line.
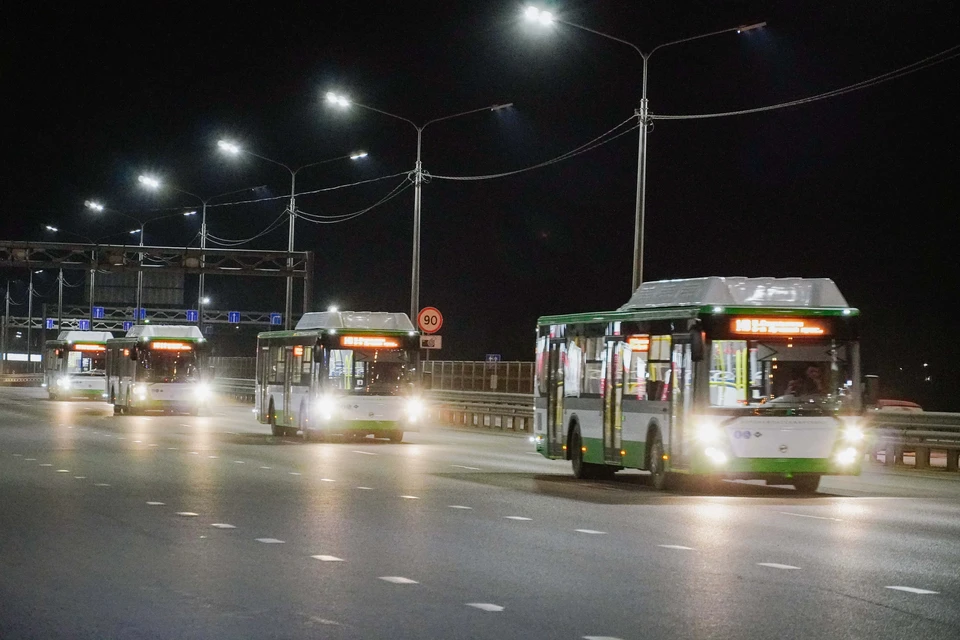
x,y
696,344
871,390
61,353
134,353
318,352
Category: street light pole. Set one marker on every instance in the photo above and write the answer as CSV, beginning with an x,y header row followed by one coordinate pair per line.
x,y
418,175
3,331
234,149
643,115
29,321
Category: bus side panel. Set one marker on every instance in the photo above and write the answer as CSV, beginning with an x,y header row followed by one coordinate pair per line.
x,y
638,416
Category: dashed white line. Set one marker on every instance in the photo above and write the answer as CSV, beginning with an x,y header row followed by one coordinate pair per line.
x,y
922,592
327,480
45,464
266,467
803,515
774,565
17,455
63,470
187,514
222,525
460,466
239,462
676,546
294,473
600,637
485,606
30,459
411,497
517,518
100,484
80,477
156,504
194,453
459,506
328,558
172,449
213,456
269,541
398,580
366,453
366,488
591,531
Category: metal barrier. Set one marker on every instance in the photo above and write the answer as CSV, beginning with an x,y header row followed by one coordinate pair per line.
x,y
21,379
497,377
504,411
919,433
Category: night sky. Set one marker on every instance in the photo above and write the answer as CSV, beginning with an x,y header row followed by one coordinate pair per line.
x,y
862,188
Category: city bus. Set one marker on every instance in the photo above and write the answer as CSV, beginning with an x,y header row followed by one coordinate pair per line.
x,y
348,373
157,367
707,378
74,365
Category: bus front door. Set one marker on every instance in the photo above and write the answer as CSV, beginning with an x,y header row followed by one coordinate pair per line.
x,y
555,430
681,404
613,402
263,375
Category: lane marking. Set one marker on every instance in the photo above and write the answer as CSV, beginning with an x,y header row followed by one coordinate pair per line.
x,y
485,606
774,565
239,462
532,453
187,514
366,488
17,455
80,477
63,470
600,637
591,531
154,445
517,518
398,580
194,453
270,541
156,504
676,546
171,449
366,453
213,456
460,466
411,497
328,558
30,459
922,592
803,515
222,525
294,473
327,480
45,464
100,484
138,441
458,506
266,467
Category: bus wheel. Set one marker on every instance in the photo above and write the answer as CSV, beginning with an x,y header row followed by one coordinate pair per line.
x,y
581,470
395,436
129,408
806,484
658,470
275,429
117,410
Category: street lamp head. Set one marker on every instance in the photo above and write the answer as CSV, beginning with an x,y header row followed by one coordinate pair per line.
x,y
340,101
228,147
500,107
149,182
205,300
332,308
358,155
189,213
93,204
51,228
134,232
751,27
533,14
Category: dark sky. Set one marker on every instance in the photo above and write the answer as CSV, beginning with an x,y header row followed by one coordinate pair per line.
x,y
862,188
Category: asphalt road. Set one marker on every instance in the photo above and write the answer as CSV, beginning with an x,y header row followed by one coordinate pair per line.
x,y
183,527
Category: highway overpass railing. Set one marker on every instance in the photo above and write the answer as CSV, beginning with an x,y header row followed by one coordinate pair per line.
x,y
896,435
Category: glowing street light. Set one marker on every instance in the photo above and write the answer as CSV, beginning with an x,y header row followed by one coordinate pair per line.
x,y
234,149
533,14
149,182
343,102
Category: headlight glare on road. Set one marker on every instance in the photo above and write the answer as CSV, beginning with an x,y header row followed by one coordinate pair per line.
x,y
847,456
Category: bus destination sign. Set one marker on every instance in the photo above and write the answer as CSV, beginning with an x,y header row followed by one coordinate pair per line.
x,y
777,326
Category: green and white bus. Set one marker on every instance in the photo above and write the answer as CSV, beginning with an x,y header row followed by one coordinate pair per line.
x,y
706,377
158,368
74,365
350,373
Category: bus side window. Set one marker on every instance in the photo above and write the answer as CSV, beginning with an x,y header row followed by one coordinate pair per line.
x,y
277,365
659,368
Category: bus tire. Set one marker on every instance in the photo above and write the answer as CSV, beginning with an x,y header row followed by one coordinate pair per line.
x,y
117,409
275,429
581,470
129,408
395,436
658,470
806,484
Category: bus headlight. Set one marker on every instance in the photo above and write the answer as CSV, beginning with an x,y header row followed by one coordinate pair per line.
x,y
709,432
853,434
716,456
140,391
63,383
326,405
202,391
847,456
414,408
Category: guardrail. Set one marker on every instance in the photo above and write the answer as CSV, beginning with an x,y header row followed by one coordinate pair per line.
x,y
921,433
21,379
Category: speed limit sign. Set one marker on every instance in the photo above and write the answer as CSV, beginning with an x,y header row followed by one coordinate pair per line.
x,y
429,320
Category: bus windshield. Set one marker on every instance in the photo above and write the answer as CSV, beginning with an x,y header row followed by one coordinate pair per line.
x,y
382,372
782,373
86,362
168,366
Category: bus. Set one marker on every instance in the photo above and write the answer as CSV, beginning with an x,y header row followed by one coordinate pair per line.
x,y
157,367
708,378
74,365
348,373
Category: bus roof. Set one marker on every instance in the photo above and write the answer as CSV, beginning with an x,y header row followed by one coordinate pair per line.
x,y
165,331
365,320
688,297
98,337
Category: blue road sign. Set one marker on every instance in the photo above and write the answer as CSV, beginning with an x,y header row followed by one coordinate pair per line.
x,y
233,317
493,357
276,318
193,315
50,323
98,313
126,325
83,325
142,314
